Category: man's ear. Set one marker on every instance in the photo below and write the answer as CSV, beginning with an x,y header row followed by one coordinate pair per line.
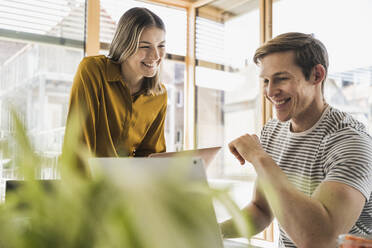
x,y
319,73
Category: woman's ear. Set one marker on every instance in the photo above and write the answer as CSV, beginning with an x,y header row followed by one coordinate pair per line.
x,y
319,73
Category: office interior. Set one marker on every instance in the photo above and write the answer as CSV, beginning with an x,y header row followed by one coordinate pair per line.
x,y
214,94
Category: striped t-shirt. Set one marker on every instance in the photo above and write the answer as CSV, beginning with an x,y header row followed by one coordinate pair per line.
x,y
337,148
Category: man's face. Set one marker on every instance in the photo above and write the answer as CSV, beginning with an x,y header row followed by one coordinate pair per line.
x,y
151,50
286,87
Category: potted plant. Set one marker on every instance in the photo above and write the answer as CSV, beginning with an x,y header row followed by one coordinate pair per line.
x,y
78,211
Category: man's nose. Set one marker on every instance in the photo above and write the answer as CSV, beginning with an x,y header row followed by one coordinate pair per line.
x,y
271,90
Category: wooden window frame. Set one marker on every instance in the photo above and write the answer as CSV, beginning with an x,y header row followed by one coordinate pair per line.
x,y
92,47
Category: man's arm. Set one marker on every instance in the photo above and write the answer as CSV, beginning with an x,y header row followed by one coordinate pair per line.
x,y
257,212
314,221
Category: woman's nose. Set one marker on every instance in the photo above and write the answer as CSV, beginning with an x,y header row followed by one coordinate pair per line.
x,y
154,54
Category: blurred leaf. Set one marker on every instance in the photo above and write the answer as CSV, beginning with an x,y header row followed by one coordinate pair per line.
x,y
139,211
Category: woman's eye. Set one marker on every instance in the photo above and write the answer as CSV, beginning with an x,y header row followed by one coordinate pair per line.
x,y
144,47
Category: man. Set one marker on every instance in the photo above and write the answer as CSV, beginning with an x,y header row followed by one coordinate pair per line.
x,y
314,163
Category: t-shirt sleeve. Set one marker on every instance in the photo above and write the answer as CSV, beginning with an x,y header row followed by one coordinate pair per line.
x,y
348,159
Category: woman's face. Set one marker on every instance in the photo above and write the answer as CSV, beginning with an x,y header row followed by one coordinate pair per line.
x,y
151,50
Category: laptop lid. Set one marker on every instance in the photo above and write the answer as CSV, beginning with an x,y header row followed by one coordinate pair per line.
x,y
206,154
162,168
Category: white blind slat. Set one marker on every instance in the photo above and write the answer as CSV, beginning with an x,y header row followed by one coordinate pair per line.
x,y
63,18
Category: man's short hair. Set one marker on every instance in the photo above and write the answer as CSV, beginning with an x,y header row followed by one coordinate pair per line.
x,y
308,51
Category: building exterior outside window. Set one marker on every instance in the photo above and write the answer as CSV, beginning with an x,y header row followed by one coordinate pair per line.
x,y
347,36
41,45
227,88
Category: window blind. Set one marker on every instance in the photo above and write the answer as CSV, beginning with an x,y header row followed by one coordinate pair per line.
x,y
63,18
175,20
210,39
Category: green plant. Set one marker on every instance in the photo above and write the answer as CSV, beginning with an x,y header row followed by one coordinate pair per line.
x,y
78,211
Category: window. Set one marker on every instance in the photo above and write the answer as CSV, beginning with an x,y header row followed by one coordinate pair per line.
x,y
179,98
228,97
173,18
173,68
227,86
41,44
179,140
172,75
348,39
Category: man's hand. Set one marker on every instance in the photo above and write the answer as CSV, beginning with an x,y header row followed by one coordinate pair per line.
x,y
246,147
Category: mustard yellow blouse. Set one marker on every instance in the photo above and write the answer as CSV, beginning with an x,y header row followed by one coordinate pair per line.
x,y
116,124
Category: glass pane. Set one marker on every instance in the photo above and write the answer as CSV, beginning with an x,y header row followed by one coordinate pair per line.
x,y
63,18
36,78
173,77
348,39
227,86
172,72
174,19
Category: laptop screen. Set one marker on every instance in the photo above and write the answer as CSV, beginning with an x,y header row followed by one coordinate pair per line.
x,y
192,170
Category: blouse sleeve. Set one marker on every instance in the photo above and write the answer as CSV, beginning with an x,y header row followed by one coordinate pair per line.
x,y
84,103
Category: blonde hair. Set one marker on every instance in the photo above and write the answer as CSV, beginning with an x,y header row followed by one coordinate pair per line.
x,y
126,40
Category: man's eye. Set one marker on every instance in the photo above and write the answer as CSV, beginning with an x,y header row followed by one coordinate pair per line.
x,y
282,78
161,46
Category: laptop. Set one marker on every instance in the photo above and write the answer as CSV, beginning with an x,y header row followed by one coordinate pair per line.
x,y
206,154
161,168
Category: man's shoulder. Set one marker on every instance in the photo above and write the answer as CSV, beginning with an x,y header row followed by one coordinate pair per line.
x,y
275,124
337,121
333,123
342,130
273,127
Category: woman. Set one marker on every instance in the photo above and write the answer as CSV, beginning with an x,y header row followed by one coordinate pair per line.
x,y
120,103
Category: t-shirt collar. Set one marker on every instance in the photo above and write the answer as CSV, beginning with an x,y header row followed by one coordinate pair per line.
x,y
313,127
